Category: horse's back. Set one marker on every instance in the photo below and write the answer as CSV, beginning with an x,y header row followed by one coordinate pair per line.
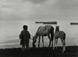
x,y
60,34
45,28
48,26
42,30
63,34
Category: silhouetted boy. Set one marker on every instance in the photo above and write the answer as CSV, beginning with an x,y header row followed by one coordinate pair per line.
x,y
24,36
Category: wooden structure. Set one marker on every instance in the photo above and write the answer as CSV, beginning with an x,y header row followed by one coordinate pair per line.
x,y
73,23
49,22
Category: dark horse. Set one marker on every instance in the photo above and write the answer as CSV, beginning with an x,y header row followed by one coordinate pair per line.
x,y
46,30
61,35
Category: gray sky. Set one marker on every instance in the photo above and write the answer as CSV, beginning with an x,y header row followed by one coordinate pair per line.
x,y
38,9
15,13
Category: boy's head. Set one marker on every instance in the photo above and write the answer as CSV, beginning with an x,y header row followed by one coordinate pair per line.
x,y
25,27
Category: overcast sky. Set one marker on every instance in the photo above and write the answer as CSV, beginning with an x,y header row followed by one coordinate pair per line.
x,y
38,9
15,13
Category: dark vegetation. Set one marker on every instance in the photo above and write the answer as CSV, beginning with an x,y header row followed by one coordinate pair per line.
x,y
71,51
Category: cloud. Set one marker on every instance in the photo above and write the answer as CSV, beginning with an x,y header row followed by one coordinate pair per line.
x,y
58,8
37,9
67,4
15,9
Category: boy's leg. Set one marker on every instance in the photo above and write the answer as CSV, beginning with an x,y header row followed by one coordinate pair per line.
x,y
23,47
27,44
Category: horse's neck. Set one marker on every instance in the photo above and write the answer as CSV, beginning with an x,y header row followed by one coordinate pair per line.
x,y
56,31
36,34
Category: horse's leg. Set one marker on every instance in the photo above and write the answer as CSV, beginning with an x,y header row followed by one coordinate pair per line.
x,y
63,42
34,41
55,43
39,42
49,40
52,42
43,40
64,45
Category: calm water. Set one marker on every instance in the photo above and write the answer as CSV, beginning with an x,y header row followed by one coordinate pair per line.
x,y
15,43
10,31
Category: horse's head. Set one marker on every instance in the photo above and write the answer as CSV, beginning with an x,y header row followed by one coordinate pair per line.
x,y
57,28
34,41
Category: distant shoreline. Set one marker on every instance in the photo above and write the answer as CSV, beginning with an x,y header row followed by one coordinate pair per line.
x,y
37,47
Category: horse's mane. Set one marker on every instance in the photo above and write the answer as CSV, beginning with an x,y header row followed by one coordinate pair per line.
x,y
37,30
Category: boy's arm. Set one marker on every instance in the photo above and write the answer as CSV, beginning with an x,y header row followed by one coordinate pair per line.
x,y
29,35
20,35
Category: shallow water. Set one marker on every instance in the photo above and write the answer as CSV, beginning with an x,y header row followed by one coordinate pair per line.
x,y
15,43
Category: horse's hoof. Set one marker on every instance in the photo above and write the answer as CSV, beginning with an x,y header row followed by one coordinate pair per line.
x,y
53,48
34,46
63,51
38,46
43,46
49,46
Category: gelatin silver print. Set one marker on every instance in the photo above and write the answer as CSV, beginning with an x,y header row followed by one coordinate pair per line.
x,y
38,28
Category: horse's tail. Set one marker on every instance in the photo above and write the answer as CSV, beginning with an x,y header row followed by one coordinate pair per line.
x,y
64,35
52,33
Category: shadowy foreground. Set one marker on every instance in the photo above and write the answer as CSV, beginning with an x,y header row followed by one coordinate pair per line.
x,y
71,51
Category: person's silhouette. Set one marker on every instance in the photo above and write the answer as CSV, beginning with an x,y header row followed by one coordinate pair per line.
x,y
24,36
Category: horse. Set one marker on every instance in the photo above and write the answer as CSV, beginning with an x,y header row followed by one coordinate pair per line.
x,y
42,31
61,35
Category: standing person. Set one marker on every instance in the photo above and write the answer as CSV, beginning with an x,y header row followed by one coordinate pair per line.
x,y
24,37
